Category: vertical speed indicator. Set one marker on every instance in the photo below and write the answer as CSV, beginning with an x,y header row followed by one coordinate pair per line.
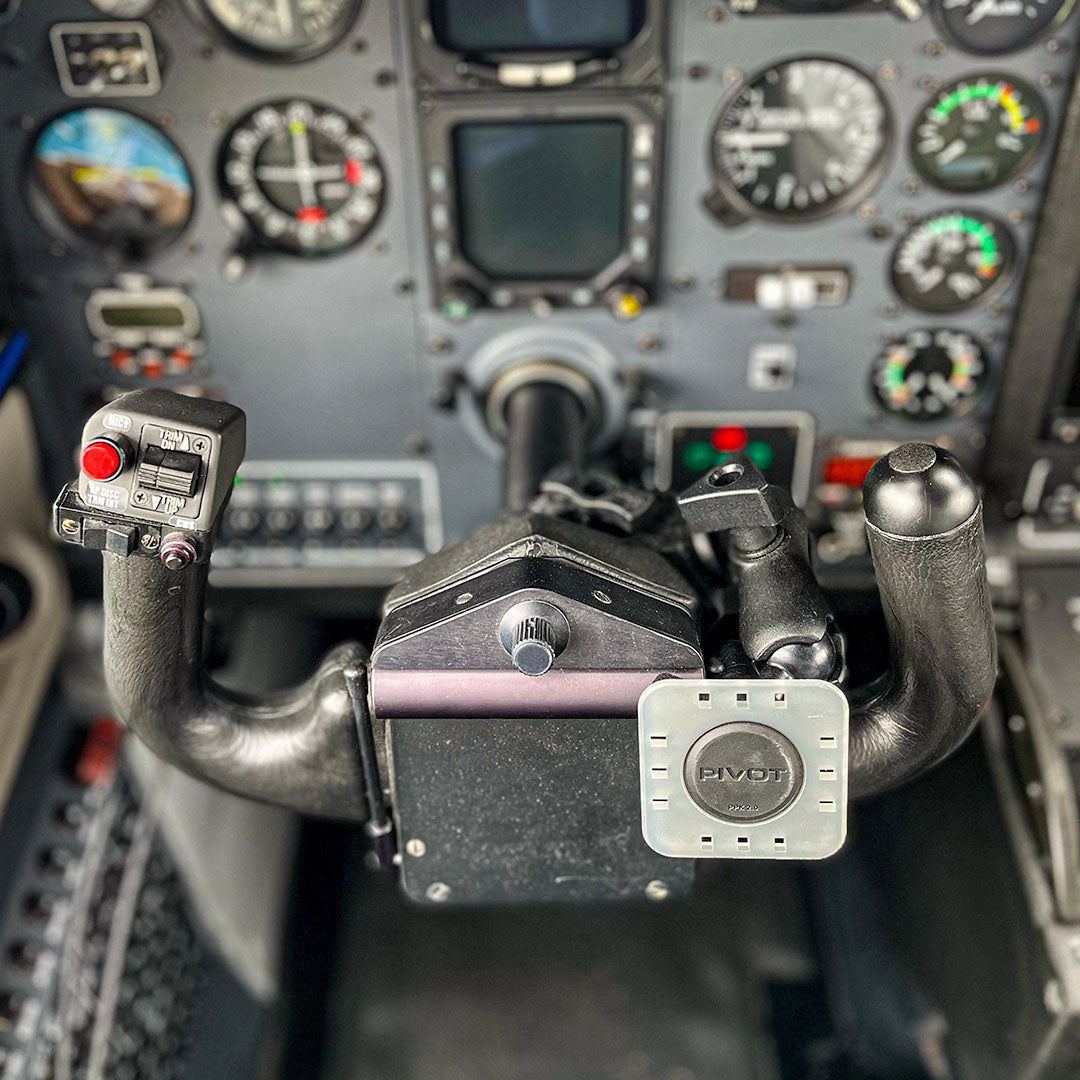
x,y
800,140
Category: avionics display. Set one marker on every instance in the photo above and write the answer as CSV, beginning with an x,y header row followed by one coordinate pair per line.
x,y
530,206
142,316
472,45
478,26
541,200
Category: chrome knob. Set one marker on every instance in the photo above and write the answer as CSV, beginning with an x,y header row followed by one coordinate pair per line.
x,y
534,633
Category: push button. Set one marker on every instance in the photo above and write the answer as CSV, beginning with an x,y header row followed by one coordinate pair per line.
x,y
105,459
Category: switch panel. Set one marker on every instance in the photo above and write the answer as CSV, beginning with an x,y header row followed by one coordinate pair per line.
x,y
106,59
153,462
327,522
751,769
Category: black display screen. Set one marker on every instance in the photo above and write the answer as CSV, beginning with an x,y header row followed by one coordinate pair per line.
x,y
542,199
481,26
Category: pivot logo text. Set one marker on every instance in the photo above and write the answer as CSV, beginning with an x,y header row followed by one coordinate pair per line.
x,y
754,776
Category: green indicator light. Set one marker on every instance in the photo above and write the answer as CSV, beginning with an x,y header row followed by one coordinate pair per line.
x,y
698,456
761,454
457,310
237,481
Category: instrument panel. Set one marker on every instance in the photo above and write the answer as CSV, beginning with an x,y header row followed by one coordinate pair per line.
x,y
349,217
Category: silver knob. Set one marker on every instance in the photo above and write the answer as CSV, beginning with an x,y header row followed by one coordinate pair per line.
x,y
534,633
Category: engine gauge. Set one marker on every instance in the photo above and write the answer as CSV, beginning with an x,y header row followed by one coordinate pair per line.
x,y
306,177
999,26
800,140
283,29
112,179
950,260
978,132
929,374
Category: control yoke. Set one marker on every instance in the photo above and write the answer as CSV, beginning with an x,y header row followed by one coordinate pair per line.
x,y
536,616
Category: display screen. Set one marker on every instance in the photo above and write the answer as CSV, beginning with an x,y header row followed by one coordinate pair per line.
x,y
142,316
542,199
480,26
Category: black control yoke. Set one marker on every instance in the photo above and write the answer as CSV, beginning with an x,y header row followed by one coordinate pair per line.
x,y
156,471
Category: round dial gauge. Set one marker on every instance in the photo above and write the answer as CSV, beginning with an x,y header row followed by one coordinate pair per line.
x,y
801,139
929,374
284,29
999,26
950,260
978,132
306,177
112,179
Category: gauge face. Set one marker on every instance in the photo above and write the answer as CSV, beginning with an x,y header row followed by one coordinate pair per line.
x,y
284,29
929,374
951,260
978,132
113,179
307,179
801,139
999,26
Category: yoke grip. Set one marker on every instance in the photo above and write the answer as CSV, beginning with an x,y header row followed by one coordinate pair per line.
x,y
924,520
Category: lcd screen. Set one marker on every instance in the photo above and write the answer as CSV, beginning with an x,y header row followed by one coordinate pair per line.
x,y
482,27
541,199
142,316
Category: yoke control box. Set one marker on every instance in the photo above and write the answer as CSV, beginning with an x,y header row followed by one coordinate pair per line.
x,y
748,768
152,465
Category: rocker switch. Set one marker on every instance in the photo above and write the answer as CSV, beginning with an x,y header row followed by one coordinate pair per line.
x,y
172,471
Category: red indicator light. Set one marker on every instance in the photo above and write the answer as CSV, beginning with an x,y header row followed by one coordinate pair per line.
x,y
729,440
97,761
353,172
102,459
181,359
310,215
1032,125
846,471
120,359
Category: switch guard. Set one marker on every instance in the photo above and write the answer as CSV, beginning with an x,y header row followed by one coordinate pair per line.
x,y
812,716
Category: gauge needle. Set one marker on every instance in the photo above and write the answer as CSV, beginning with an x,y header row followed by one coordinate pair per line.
x,y
753,140
980,11
302,157
957,148
285,17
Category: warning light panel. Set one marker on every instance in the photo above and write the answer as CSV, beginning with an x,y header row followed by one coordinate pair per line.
x,y
779,444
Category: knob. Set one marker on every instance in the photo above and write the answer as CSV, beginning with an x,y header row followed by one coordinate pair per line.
x,y
918,490
534,633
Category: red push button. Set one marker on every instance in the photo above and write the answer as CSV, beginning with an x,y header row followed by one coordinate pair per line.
x,y
97,760
102,459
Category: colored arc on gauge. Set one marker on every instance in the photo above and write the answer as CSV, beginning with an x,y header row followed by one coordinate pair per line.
x,y
1001,94
979,231
979,132
929,373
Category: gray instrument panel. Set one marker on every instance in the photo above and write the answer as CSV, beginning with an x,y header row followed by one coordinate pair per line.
x,y
338,358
